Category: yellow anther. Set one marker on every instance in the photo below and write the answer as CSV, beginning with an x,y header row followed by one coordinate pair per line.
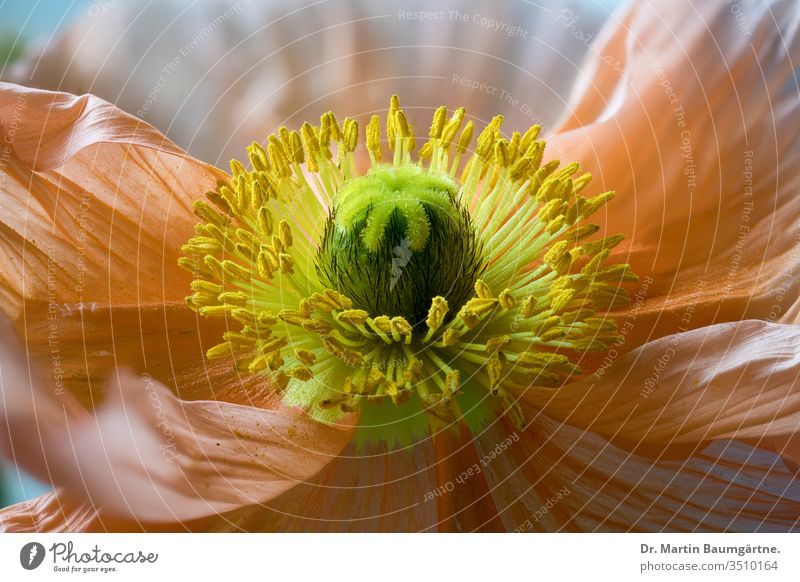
x,y
238,298
306,357
452,383
618,273
238,339
237,169
265,221
469,318
209,214
244,316
580,183
234,271
356,317
480,306
595,203
530,136
285,233
258,157
437,125
482,289
267,263
374,137
350,358
539,177
426,151
206,286
465,138
297,148
350,135
277,245
560,300
519,170
401,124
336,131
216,310
450,337
337,300
405,130
501,154
394,107
507,300
312,145
399,325
494,369
551,210
383,323
277,158
436,313
451,128
301,373
317,326
292,317
286,263
557,257
220,351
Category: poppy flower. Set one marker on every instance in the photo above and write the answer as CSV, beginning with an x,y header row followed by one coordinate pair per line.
x,y
683,420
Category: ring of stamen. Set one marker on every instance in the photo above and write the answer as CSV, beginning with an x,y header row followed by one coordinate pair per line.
x,y
498,283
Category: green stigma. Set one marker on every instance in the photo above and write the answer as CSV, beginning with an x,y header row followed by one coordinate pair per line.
x,y
396,238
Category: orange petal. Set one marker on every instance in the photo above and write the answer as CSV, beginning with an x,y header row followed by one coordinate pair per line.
x,y
735,380
78,350
693,121
435,485
372,490
98,203
147,456
559,478
51,512
57,511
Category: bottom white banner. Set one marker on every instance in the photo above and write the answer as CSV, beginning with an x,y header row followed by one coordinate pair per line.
x,y
389,557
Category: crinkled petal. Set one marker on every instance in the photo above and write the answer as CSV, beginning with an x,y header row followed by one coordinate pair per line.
x,y
559,478
98,204
690,113
363,490
148,456
51,512
733,380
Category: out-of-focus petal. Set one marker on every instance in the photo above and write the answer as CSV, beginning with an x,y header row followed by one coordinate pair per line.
x,y
690,112
217,75
145,455
733,380
97,204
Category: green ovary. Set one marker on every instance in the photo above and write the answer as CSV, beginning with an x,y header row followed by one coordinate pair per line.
x,y
398,237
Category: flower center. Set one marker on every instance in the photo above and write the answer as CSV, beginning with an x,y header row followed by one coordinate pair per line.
x,y
397,238
422,293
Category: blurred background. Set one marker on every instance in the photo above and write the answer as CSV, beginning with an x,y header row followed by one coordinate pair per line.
x,y
215,75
